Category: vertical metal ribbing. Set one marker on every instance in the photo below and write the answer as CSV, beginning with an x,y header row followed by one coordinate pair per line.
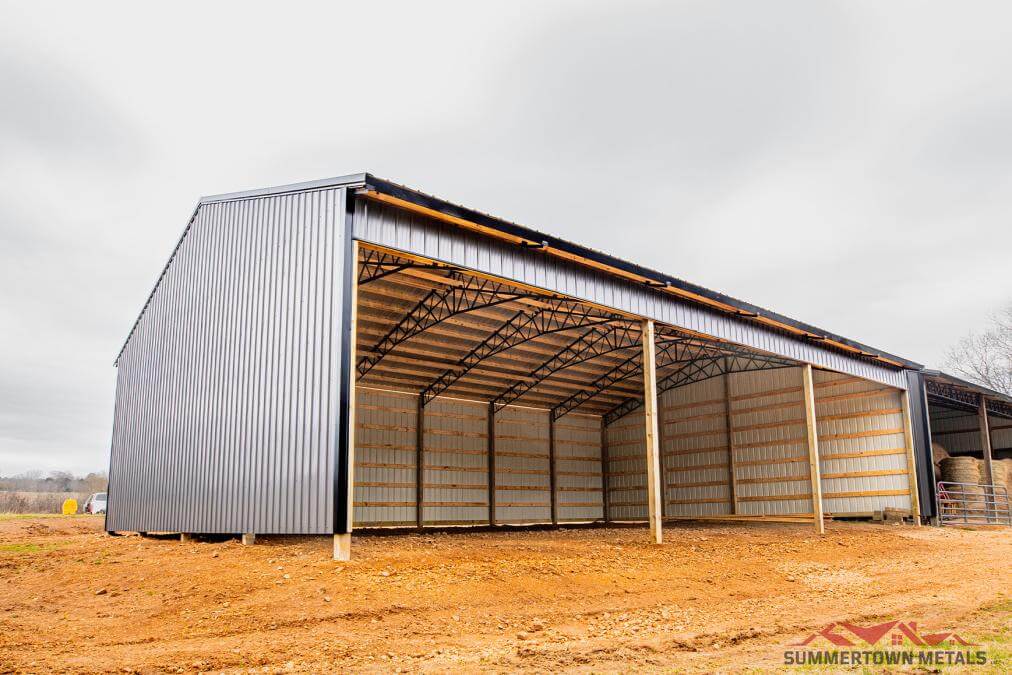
x,y
420,463
491,463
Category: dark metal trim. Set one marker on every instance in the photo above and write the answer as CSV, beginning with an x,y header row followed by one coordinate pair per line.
x,y
341,468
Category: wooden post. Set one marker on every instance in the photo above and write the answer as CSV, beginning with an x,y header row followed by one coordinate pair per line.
x,y
420,464
342,542
732,479
491,463
812,435
985,441
985,445
551,469
654,483
908,439
605,473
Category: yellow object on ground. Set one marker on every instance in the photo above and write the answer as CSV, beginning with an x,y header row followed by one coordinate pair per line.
x,y
69,507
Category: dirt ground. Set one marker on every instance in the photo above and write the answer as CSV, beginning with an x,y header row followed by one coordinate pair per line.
x,y
714,597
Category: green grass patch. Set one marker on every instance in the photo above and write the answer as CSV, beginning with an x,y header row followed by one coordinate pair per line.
x,y
19,549
33,516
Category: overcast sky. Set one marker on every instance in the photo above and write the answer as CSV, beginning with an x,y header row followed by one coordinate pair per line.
x,y
846,164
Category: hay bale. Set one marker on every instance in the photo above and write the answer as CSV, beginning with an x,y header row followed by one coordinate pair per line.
x,y
938,452
965,470
1000,469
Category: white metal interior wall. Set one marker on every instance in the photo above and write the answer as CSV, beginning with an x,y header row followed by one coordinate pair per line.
x,y
400,230
1001,433
694,447
522,482
579,477
228,391
385,455
768,443
455,457
958,431
627,468
862,447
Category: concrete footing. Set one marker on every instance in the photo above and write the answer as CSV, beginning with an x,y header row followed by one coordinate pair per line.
x,y
342,547
248,539
185,537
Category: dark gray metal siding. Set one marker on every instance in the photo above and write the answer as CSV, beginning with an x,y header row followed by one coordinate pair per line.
x,y
401,230
228,392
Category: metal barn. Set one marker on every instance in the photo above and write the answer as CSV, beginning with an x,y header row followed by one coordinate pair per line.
x,y
353,353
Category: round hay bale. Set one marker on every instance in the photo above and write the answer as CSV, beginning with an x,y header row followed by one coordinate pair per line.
x,y
938,452
970,495
1000,477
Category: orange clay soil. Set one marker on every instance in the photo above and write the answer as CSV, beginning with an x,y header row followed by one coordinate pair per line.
x,y
713,597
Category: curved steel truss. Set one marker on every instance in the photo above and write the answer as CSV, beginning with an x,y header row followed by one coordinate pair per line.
x,y
555,316
466,295
595,342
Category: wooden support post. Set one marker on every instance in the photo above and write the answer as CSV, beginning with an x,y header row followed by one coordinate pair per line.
x,y
653,452
342,541
491,464
248,539
812,434
985,445
552,480
908,439
985,442
732,478
605,473
342,547
420,464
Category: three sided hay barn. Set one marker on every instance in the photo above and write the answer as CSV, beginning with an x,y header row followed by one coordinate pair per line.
x,y
350,352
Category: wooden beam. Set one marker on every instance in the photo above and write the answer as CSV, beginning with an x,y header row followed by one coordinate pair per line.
x,y
491,463
420,463
552,483
985,444
732,479
652,439
605,473
908,441
812,435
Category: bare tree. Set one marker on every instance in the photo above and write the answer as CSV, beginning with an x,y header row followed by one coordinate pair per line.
x,y
986,357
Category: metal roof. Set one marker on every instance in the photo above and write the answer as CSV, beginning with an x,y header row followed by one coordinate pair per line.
x,y
463,216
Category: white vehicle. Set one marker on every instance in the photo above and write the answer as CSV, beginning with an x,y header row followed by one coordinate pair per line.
x,y
96,503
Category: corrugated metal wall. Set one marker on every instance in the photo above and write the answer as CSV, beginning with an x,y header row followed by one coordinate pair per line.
x,y
522,487
398,229
693,425
385,454
958,432
579,480
862,448
627,468
456,462
1001,433
227,393
770,448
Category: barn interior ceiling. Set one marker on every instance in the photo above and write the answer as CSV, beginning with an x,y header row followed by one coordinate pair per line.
x,y
431,329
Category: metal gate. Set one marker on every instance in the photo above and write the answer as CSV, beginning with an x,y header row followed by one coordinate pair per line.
x,y
972,504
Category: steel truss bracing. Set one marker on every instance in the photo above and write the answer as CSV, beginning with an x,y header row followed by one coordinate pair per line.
x,y
469,294
667,354
1000,408
596,342
375,265
947,394
556,316
698,369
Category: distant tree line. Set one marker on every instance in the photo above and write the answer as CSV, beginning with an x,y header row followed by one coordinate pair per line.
x,y
54,481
